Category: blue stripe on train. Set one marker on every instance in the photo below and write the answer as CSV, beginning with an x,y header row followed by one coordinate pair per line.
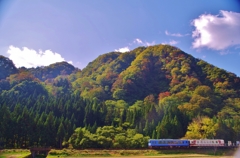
x,y
167,142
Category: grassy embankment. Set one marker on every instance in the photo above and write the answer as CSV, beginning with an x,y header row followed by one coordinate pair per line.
x,y
19,153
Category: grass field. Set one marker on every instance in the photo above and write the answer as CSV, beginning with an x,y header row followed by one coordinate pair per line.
x,y
72,153
14,153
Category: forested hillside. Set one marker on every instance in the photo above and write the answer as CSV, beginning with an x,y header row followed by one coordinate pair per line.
x,y
119,100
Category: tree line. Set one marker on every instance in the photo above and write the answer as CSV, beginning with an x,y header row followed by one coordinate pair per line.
x,y
82,123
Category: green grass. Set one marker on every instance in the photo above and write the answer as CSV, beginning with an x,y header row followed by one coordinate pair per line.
x,y
119,153
14,153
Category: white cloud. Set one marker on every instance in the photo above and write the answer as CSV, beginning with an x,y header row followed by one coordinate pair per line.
x,y
224,52
31,58
173,42
217,31
124,49
175,34
138,41
150,43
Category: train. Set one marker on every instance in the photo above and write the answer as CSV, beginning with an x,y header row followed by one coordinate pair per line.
x,y
189,143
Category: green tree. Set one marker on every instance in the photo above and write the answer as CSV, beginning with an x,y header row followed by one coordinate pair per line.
x,y
60,134
201,128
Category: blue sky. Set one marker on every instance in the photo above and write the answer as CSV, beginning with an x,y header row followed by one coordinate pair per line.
x,y
40,32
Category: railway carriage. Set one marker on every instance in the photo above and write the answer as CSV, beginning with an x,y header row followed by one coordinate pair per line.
x,y
206,142
168,143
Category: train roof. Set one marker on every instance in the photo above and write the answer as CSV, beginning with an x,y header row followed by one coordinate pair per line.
x,y
205,139
167,139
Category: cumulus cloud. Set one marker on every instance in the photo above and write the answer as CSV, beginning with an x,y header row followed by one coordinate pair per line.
x,y
122,50
217,32
31,58
175,34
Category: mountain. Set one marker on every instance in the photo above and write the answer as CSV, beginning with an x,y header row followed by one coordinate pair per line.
x,y
26,82
157,91
6,67
51,71
136,74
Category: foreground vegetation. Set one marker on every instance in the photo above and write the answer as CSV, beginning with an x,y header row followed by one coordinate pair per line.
x,y
121,153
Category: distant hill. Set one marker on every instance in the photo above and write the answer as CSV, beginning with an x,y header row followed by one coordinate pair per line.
x,y
6,67
51,71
